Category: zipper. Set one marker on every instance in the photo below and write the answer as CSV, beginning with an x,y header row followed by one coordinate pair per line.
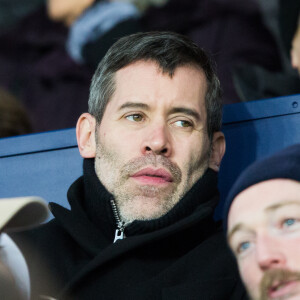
x,y
119,233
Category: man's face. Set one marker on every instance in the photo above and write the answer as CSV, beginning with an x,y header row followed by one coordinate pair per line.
x,y
264,234
152,143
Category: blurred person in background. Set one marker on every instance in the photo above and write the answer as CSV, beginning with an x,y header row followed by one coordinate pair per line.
x,y
67,11
248,40
36,68
248,47
35,61
262,221
256,81
96,25
14,119
48,58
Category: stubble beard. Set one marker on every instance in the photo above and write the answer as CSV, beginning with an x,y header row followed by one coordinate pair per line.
x,y
135,201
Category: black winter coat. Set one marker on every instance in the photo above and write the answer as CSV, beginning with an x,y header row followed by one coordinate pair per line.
x,y
181,255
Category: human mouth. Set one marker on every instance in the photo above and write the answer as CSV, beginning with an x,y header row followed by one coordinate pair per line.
x,y
283,288
151,176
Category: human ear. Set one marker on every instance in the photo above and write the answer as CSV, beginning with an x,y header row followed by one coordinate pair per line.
x,y
85,134
218,147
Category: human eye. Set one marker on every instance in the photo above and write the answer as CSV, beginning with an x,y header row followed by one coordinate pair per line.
x,y
135,117
290,223
183,124
243,247
241,243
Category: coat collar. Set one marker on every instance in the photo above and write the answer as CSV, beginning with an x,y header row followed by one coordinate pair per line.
x,y
91,221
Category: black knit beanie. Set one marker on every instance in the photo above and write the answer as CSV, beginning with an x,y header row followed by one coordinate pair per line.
x,y
283,164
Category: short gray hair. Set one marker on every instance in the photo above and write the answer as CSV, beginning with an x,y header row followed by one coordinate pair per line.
x,y
170,51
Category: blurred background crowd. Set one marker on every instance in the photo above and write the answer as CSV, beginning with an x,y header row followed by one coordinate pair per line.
x,y
50,49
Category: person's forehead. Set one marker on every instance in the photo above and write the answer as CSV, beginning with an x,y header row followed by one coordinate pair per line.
x,y
263,198
145,78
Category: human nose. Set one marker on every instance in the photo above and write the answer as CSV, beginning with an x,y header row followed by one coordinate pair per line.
x,y
157,140
269,253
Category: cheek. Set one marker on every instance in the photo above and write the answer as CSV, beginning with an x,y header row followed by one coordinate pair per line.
x,y
122,145
292,250
194,156
250,274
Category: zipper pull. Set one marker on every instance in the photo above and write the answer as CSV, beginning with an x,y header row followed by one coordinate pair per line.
x,y
119,234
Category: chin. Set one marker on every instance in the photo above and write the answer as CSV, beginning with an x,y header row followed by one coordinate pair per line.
x,y
145,208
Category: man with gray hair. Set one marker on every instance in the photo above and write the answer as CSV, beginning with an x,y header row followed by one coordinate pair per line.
x,y
141,220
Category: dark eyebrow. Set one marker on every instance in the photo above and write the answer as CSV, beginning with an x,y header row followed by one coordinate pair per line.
x,y
134,105
188,111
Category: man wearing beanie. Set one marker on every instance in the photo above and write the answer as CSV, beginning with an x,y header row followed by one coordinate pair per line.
x,y
262,223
